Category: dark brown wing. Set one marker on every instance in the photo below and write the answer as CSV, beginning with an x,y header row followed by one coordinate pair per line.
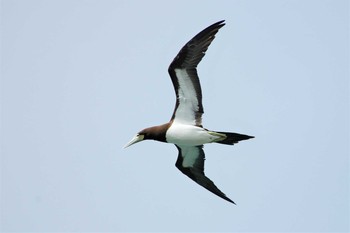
x,y
190,161
183,73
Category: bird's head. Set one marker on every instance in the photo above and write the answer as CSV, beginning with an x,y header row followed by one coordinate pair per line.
x,y
140,136
155,133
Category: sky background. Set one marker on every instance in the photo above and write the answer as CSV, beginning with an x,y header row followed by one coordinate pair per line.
x,y
80,78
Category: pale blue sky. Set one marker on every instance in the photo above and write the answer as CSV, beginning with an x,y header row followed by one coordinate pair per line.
x,y
80,78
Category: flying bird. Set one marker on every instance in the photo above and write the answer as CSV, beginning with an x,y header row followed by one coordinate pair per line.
x,y
185,128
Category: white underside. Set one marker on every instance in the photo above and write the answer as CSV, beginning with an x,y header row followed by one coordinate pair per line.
x,y
187,97
189,135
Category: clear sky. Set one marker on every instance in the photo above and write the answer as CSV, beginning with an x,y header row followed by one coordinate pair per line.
x,y
80,78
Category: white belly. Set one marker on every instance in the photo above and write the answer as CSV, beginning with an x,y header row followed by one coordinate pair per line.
x,y
189,135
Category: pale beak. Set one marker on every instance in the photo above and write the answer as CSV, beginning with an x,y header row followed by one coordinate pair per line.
x,y
136,139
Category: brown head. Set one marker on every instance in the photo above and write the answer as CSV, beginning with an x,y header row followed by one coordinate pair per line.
x,y
155,133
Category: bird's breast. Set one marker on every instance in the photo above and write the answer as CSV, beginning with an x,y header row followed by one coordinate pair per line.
x,y
188,135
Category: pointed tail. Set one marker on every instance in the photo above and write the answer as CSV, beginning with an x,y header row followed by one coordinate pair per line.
x,y
232,138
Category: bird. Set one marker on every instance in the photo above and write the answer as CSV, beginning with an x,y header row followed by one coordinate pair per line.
x,y
185,129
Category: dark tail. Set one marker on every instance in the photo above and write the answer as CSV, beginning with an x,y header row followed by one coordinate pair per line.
x,y
232,138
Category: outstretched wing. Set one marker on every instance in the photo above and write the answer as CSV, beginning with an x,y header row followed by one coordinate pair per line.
x,y
190,161
183,73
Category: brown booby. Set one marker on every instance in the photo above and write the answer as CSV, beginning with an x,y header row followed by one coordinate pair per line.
x,y
185,128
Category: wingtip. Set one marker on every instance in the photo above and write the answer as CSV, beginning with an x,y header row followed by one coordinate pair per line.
x,y
220,23
229,200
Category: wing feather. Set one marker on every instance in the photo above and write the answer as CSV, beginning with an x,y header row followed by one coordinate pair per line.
x,y
185,79
190,161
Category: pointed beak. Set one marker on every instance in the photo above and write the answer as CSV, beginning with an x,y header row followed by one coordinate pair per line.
x,y
135,139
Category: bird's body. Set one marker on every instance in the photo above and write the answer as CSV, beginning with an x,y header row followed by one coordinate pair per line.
x,y
185,129
190,135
